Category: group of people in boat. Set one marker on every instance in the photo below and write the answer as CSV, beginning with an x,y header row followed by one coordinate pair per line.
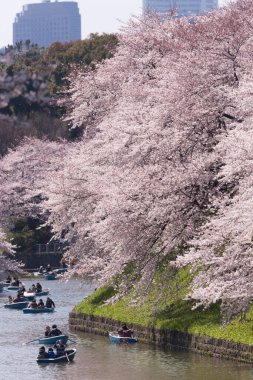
x,y
53,352
54,331
58,349
35,288
41,304
20,294
47,269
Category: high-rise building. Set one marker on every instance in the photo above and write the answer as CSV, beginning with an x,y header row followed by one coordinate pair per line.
x,y
182,7
48,22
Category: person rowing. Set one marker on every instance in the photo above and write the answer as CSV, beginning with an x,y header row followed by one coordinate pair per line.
x,y
60,348
38,288
55,331
49,303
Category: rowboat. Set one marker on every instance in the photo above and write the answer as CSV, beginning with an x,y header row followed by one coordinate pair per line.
x,y
116,338
6,284
13,288
31,295
53,339
61,270
50,276
67,357
16,305
36,311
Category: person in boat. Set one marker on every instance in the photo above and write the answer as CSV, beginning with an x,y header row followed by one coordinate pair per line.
x,y
41,269
38,287
19,298
60,348
41,304
63,263
21,288
10,299
8,280
51,353
48,268
42,353
15,282
33,305
49,303
32,289
20,293
47,332
125,331
55,331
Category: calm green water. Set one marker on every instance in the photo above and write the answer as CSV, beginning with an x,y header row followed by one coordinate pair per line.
x,y
96,358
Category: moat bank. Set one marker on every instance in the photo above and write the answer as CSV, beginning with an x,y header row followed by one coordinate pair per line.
x,y
164,338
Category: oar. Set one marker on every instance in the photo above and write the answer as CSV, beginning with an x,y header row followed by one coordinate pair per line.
x,y
30,341
67,356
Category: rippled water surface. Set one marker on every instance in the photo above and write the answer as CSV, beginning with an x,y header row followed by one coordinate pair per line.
x,y
96,358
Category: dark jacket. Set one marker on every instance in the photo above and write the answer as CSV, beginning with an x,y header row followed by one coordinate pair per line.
x,y
50,303
55,332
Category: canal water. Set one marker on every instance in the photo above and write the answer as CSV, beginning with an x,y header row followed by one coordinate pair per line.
x,y
96,358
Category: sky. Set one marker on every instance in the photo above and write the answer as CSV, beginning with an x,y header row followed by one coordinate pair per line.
x,y
98,16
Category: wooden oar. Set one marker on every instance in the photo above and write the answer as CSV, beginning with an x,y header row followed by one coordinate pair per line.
x,y
30,341
67,356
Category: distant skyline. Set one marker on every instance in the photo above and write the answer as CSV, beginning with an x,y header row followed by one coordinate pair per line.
x,y
98,16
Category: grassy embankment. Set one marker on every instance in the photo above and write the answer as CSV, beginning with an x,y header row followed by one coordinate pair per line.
x,y
165,308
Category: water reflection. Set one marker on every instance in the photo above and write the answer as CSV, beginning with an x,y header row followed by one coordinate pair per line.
x,y
96,358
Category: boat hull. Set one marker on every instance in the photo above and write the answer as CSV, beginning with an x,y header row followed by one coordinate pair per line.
x,y
50,277
115,338
68,357
13,288
16,305
53,339
31,296
37,311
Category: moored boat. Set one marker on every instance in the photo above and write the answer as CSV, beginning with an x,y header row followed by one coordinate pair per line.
x,y
116,338
67,357
16,305
53,339
37,311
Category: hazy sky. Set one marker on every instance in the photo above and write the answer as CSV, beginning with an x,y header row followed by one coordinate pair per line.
x,y
97,15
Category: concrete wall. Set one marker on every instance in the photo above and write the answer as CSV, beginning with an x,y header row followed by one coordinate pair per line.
x,y
199,344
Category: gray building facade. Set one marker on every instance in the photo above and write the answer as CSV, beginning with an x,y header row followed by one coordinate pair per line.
x,y
48,22
183,7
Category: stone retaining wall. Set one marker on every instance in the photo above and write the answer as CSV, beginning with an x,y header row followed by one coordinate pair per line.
x,y
164,338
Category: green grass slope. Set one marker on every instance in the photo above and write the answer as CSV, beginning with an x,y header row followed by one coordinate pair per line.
x,y
166,308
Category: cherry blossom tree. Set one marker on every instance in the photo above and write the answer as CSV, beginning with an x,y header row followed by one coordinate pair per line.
x,y
155,169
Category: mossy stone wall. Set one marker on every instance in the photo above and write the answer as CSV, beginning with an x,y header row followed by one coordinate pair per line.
x,y
164,338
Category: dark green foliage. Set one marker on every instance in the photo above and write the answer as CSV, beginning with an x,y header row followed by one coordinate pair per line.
x,y
26,233
34,79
